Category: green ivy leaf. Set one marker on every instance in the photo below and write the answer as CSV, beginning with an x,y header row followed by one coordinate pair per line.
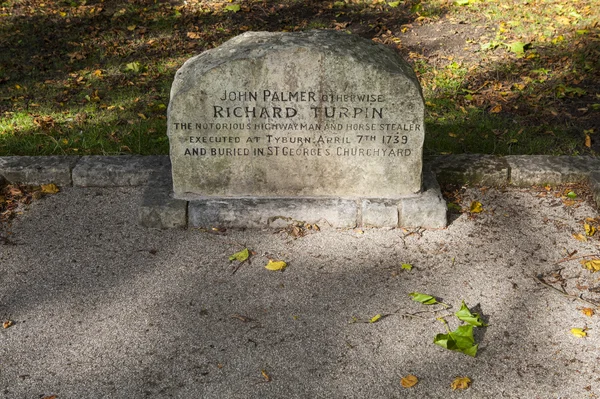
x,y
423,298
465,315
133,67
394,4
233,7
459,340
241,256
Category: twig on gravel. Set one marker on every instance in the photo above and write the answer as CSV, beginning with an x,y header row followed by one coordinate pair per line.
x,y
564,293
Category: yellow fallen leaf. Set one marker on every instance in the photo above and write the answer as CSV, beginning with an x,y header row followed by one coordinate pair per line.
x,y
476,207
588,141
276,265
589,312
497,109
579,332
409,381
592,265
460,383
49,188
589,229
131,28
452,134
579,237
375,318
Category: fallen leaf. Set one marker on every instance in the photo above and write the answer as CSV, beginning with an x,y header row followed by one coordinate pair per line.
x,y
233,7
375,318
572,195
407,266
409,381
7,323
588,141
476,207
465,315
579,237
589,229
579,332
496,109
589,312
592,265
277,265
423,298
459,340
241,256
49,188
193,35
266,376
460,383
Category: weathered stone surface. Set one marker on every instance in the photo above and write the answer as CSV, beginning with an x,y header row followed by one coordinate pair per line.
x,y
296,114
38,170
160,210
122,170
527,170
486,170
271,212
379,213
427,210
594,181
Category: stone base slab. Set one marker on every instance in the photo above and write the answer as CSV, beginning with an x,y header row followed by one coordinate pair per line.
x,y
427,209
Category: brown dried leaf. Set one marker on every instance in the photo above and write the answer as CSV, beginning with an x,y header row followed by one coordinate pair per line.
x,y
589,312
460,383
7,323
409,381
49,188
266,376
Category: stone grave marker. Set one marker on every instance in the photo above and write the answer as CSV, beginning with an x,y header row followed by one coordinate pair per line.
x,y
317,124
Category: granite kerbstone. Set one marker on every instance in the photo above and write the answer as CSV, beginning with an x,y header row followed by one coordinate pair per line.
x,y
527,170
305,114
428,210
270,212
594,181
486,170
121,170
38,170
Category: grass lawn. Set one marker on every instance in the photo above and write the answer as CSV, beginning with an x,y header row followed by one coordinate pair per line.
x,y
499,76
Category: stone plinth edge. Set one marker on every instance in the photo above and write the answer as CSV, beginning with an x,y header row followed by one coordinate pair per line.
x,y
594,182
160,210
114,171
31,170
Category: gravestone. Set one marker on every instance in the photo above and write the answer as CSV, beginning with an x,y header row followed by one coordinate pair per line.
x,y
317,124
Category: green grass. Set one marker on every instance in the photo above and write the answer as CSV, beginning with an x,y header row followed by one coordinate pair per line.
x,y
94,77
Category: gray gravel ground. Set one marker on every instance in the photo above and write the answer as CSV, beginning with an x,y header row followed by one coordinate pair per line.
x,y
106,309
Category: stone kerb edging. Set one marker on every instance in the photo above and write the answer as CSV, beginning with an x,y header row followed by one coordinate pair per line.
x,y
160,211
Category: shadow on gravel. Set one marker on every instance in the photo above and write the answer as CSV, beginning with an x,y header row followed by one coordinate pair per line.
x,y
105,308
